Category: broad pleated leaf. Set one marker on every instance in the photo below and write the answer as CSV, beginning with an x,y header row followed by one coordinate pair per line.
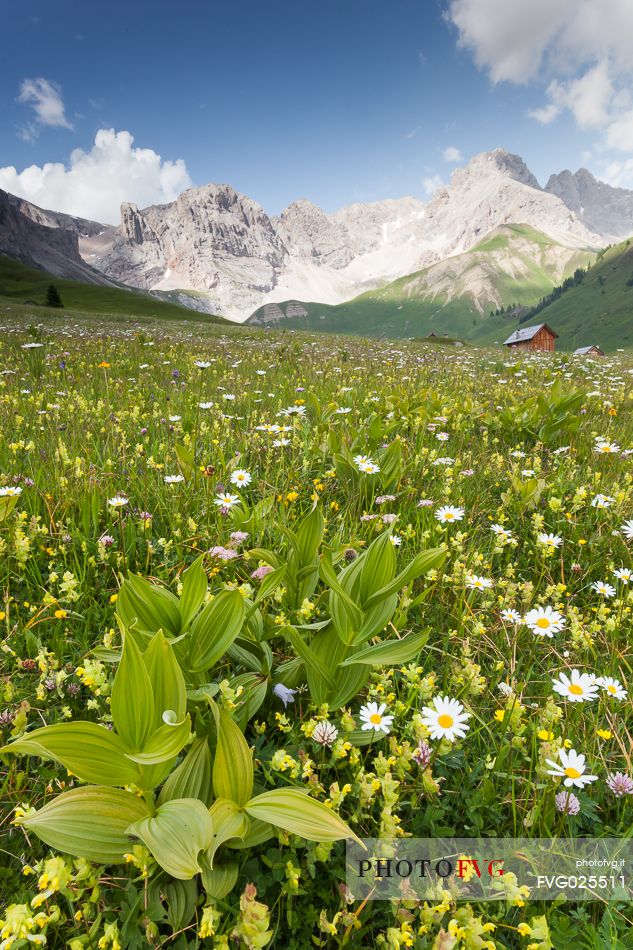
x,y
91,752
219,880
214,629
192,778
166,742
167,682
89,823
293,810
132,698
194,588
233,763
390,652
176,835
154,608
229,822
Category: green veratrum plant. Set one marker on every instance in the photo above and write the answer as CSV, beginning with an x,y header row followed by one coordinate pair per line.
x,y
363,599
301,567
202,634
546,417
205,804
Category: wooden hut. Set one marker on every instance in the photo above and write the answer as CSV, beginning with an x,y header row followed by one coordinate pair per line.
x,y
540,337
592,350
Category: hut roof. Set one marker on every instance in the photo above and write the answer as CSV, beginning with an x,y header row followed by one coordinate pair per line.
x,y
520,336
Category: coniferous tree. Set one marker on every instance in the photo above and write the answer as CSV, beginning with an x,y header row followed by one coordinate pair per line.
x,y
52,297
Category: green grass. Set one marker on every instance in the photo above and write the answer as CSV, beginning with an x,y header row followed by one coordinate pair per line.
x,y
600,309
22,285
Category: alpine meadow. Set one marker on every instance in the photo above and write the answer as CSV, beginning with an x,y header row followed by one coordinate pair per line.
x,y
316,475
265,592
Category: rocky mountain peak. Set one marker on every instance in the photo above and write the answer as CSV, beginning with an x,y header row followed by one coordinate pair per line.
x,y
497,162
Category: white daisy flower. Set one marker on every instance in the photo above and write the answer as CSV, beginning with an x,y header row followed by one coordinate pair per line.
x,y
571,769
241,477
11,491
549,540
225,500
373,717
448,513
474,582
205,405
396,540
627,530
280,443
446,719
173,479
577,688
604,447
606,590
511,616
612,687
544,621
624,574
601,501
119,501
202,364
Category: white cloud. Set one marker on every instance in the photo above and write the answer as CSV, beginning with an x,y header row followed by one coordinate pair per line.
x,y
452,154
581,49
432,184
45,98
95,182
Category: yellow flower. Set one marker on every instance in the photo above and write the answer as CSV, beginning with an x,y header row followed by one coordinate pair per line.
x,y
104,365
604,733
544,735
292,496
524,929
61,614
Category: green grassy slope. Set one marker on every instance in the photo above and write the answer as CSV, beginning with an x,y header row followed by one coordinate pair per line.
x,y
514,264
600,309
21,285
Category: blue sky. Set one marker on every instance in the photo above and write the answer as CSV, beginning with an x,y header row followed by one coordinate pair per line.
x,y
333,101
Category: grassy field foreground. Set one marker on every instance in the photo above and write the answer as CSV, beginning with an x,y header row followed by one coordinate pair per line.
x,y
269,466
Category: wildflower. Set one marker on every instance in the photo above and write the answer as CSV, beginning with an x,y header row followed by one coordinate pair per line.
x,y
283,693
240,477
422,754
577,688
373,717
606,590
202,364
544,621
119,501
604,447
511,616
571,769
620,784
473,582
10,491
601,501
612,687
446,719
173,479
260,572
567,803
627,530
448,513
226,501
396,540
222,553
324,733
239,536
624,574
549,540
205,405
